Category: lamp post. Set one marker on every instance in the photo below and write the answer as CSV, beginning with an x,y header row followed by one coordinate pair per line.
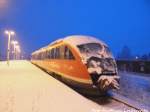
x,y
9,33
14,43
17,49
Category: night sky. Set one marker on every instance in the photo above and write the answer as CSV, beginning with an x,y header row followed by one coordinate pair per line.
x,y
39,22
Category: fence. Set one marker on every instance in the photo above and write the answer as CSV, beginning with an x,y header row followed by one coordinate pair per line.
x,y
134,66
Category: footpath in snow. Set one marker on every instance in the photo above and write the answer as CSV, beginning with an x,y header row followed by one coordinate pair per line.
x,y
26,88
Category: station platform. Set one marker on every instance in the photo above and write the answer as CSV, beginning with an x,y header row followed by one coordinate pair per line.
x,y
26,88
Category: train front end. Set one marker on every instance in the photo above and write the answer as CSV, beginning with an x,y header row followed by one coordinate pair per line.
x,y
100,64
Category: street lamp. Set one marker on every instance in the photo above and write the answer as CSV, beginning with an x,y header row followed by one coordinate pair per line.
x,y
9,33
14,43
18,51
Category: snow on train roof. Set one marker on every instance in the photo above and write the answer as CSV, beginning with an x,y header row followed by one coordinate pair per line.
x,y
39,50
80,39
73,40
77,40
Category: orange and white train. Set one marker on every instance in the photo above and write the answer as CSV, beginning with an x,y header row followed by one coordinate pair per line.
x,y
83,62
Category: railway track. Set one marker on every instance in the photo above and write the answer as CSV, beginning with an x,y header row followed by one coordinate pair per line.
x,y
130,103
118,103
114,104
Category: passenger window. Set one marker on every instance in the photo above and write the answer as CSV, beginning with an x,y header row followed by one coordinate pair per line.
x,y
49,54
44,55
39,56
61,50
57,53
52,54
68,54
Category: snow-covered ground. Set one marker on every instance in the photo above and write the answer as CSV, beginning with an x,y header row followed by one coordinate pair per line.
x,y
135,87
25,88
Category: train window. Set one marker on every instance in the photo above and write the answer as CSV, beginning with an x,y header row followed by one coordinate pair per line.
x,y
90,48
40,56
52,54
107,51
68,54
61,50
37,56
34,57
57,53
44,55
49,54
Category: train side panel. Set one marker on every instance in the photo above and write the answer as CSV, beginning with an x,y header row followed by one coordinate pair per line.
x,y
72,71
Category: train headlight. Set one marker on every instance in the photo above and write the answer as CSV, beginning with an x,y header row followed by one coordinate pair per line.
x,y
84,61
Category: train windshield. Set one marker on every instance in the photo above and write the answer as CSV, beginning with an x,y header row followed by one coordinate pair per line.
x,y
94,49
90,48
107,51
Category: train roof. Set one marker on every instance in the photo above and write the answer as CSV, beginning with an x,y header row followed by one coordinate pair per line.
x,y
77,40
39,50
74,40
80,39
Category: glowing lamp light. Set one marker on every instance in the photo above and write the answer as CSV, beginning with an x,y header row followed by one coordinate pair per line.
x,y
9,32
14,42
